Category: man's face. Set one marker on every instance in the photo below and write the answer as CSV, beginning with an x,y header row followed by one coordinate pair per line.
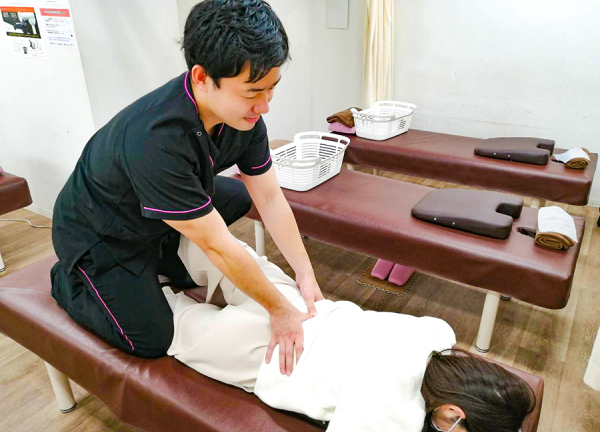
x,y
239,103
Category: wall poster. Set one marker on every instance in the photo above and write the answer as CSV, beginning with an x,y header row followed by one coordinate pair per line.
x,y
22,29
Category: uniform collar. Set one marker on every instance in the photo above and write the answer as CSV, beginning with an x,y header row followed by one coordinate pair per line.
x,y
199,131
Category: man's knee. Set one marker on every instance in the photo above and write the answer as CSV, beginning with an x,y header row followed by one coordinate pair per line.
x,y
156,342
244,200
232,199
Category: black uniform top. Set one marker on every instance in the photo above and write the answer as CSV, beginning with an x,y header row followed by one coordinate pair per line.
x,y
154,160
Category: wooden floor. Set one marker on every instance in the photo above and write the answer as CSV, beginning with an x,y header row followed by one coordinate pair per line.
x,y
553,344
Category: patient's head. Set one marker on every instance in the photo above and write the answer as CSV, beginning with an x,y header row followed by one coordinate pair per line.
x,y
463,392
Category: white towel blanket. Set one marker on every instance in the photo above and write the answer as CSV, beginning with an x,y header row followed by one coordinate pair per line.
x,y
360,370
554,219
576,152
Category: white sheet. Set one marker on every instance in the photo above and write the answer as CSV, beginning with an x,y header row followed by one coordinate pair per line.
x,y
576,152
362,371
554,219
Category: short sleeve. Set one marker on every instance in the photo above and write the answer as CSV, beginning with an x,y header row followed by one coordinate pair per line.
x,y
165,178
256,159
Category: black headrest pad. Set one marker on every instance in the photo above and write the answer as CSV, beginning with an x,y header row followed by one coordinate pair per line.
x,y
480,212
529,150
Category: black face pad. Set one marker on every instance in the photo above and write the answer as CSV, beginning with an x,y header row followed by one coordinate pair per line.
x,y
485,213
535,151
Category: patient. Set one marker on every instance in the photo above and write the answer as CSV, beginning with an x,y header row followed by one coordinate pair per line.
x,y
360,370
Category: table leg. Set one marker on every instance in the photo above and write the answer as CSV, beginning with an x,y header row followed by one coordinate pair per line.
x,y
537,203
488,319
592,373
62,390
259,237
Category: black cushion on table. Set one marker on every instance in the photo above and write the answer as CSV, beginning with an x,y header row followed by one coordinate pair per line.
x,y
485,213
529,150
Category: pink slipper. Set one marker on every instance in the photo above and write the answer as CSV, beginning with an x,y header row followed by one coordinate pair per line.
x,y
400,274
381,269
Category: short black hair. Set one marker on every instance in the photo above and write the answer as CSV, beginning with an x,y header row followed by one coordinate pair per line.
x,y
223,36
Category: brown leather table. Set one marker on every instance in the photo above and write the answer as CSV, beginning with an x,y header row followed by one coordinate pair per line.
x,y
154,395
372,215
451,158
160,395
14,195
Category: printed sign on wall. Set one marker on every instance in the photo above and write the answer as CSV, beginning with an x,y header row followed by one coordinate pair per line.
x,y
21,26
59,27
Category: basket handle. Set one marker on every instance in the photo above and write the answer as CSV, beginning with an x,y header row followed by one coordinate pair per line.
x,y
381,118
292,161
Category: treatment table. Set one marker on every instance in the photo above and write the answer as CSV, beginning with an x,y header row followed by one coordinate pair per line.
x,y
451,158
159,395
14,195
371,215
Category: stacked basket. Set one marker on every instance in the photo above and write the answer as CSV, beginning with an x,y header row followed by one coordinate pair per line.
x,y
385,119
308,161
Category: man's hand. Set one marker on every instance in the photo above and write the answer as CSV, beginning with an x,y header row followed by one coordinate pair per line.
x,y
310,291
286,331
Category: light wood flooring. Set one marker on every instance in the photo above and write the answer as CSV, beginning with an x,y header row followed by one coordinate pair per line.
x,y
553,344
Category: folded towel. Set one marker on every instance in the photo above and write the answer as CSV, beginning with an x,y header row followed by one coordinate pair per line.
x,y
552,240
576,158
344,117
338,127
555,229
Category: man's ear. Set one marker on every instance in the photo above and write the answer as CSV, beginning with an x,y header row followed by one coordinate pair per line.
x,y
200,78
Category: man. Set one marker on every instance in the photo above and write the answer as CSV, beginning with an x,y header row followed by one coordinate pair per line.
x,y
149,175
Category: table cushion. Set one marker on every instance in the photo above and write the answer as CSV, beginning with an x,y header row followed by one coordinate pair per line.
x,y
372,215
535,151
479,212
14,193
159,395
451,158
154,395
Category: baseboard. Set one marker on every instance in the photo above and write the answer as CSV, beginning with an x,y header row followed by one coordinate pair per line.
x,y
39,211
594,203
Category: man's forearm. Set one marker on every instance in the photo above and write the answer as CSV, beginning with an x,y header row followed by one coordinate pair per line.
x,y
280,221
241,269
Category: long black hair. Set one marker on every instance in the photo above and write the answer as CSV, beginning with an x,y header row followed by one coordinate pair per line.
x,y
225,36
492,398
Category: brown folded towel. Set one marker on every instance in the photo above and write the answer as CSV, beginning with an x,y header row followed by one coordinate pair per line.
x,y
344,117
579,163
552,240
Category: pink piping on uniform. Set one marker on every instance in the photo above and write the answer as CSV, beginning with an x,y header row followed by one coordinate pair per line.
x,y
263,164
179,211
187,91
113,317
221,130
211,161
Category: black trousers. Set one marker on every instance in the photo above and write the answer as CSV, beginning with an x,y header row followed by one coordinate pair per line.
x,y
129,311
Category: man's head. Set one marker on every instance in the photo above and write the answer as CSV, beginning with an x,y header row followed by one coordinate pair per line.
x,y
234,49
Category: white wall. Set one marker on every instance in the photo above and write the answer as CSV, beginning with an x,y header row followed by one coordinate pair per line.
x,y
128,48
482,69
336,62
473,68
45,119
50,108
291,108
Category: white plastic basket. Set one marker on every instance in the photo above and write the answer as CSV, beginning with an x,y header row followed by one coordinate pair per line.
x,y
309,160
385,119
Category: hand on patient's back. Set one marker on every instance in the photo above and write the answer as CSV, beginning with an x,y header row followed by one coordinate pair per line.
x,y
311,292
286,331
